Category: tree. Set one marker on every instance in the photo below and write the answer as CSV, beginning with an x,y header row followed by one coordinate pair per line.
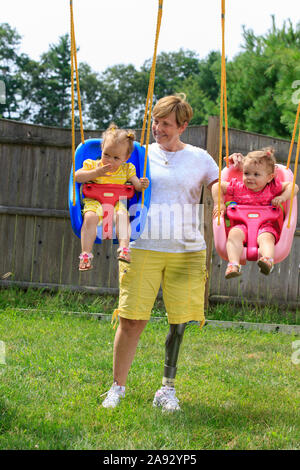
x,y
260,81
11,63
171,70
202,89
113,95
51,81
263,84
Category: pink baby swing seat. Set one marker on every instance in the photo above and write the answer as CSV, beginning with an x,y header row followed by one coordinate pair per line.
x,y
250,252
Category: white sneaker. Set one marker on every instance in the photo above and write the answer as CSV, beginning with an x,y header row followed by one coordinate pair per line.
x,y
114,395
166,398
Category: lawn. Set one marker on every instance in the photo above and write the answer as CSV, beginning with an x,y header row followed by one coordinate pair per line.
x,y
237,389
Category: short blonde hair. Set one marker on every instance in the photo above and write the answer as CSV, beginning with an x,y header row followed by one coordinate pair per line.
x,y
120,136
264,156
174,103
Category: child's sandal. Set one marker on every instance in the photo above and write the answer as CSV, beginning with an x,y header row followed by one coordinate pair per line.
x,y
85,263
233,270
124,254
266,265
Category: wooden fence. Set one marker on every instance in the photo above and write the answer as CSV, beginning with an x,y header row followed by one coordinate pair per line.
x,y
40,249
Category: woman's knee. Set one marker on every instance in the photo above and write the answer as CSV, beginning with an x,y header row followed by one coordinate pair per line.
x,y
132,327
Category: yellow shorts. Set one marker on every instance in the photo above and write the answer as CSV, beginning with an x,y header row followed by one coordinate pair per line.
x,y
95,206
182,276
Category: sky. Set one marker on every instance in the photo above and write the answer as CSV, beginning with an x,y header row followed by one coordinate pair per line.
x,y
110,32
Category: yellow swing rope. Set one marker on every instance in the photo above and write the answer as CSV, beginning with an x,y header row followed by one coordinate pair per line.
x,y
74,65
293,137
149,99
223,105
296,160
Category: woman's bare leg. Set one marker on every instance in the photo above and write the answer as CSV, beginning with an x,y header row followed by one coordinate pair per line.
x,y
126,341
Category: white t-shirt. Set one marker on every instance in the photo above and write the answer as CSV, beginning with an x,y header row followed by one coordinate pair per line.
x,y
173,220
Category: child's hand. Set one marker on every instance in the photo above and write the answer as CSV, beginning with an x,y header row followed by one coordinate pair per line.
x,y
278,200
102,170
144,182
222,210
236,159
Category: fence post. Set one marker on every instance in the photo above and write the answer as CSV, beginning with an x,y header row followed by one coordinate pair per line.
x,y
212,147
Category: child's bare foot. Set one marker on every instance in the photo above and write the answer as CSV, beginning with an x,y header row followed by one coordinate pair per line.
x,y
233,270
124,254
266,265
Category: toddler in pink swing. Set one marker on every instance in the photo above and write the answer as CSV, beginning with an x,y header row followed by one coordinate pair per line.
x,y
259,187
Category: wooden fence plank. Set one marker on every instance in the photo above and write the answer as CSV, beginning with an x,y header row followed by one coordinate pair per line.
x,y
7,233
35,231
23,247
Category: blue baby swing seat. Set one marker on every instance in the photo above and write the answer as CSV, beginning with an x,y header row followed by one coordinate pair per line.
x,y
92,149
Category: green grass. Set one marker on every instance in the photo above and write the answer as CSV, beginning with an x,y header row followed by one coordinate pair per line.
x,y
254,313
237,389
83,302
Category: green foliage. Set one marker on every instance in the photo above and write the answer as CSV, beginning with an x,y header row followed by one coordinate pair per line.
x,y
260,81
171,70
263,84
50,90
117,96
202,89
11,65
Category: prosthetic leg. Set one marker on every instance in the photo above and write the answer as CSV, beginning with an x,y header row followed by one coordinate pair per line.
x,y
172,346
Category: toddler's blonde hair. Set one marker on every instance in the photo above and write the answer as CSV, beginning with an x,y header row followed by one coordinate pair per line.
x,y
120,136
265,156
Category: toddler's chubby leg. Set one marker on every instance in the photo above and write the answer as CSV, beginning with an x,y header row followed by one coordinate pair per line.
x,y
89,231
123,227
266,244
123,233
88,236
234,246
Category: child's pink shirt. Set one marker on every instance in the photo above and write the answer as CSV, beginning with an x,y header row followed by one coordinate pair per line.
x,y
243,195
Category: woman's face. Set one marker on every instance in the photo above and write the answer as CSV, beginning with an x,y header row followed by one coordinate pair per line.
x,y
166,131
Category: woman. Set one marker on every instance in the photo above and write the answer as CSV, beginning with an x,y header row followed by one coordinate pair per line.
x,y
171,250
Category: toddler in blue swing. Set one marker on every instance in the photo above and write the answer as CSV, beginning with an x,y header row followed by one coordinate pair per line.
x,y
113,168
